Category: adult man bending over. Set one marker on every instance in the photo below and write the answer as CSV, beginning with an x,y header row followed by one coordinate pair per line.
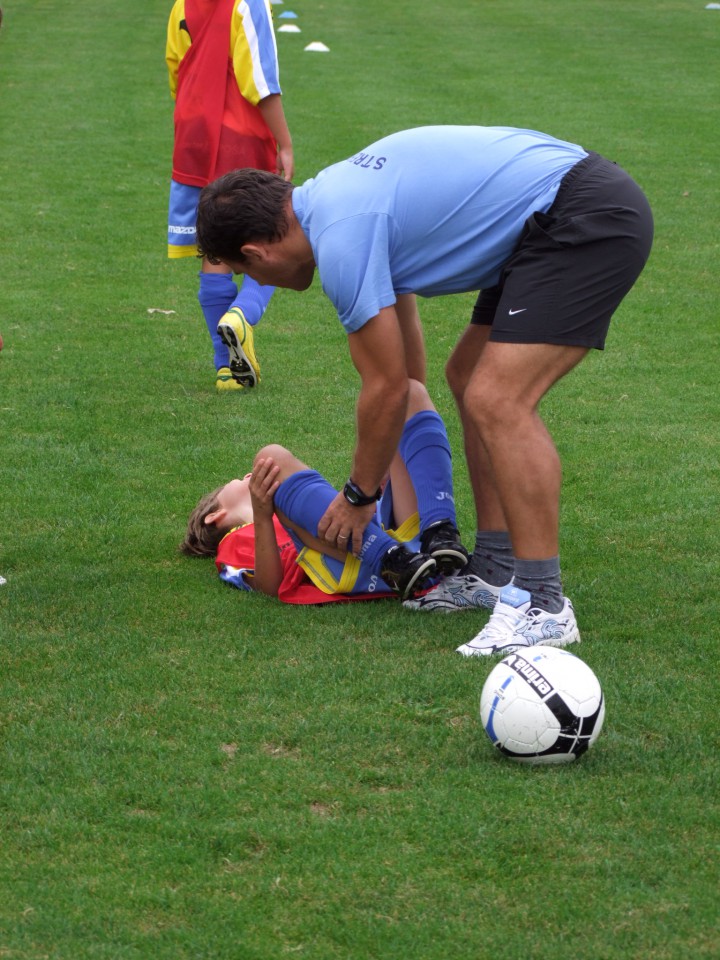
x,y
553,237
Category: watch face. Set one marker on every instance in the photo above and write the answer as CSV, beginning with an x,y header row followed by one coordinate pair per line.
x,y
356,497
351,495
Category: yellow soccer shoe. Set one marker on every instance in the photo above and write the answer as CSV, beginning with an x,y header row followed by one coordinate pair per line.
x,y
237,335
226,381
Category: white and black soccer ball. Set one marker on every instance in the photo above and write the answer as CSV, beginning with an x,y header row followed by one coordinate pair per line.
x,y
543,705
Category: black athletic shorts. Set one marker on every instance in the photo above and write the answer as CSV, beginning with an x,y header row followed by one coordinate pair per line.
x,y
574,264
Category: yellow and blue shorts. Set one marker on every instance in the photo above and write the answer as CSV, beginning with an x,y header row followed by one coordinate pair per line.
x,y
182,217
351,575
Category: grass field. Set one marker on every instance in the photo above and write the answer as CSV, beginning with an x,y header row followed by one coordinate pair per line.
x,y
188,772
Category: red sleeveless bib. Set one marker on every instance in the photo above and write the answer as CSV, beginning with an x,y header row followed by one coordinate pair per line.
x,y
216,128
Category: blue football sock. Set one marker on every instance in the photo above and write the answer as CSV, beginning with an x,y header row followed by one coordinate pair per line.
x,y
305,496
253,299
425,450
216,294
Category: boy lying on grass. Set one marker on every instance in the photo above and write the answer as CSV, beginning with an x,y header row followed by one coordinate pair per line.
x,y
262,529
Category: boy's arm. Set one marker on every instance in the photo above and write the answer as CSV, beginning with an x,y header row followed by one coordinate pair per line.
x,y
257,72
274,115
268,567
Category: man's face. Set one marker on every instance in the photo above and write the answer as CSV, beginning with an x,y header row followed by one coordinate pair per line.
x,y
287,262
275,272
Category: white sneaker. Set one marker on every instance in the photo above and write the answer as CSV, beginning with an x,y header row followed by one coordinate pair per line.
x,y
462,591
514,624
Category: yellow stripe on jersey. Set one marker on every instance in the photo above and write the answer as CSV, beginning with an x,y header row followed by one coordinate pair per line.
x,y
247,61
178,44
244,50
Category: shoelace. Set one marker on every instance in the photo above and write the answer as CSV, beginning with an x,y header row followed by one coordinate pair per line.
x,y
456,582
503,617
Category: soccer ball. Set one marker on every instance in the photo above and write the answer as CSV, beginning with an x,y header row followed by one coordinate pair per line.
x,y
542,706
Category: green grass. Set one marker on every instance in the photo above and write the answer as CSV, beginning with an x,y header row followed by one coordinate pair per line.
x,y
187,772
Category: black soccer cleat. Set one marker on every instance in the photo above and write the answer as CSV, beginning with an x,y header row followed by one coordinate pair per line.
x,y
407,572
441,541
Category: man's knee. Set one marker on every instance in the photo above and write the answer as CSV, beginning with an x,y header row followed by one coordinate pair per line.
x,y
457,375
464,359
494,403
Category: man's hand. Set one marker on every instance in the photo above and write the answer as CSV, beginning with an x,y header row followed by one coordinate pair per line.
x,y
343,525
263,484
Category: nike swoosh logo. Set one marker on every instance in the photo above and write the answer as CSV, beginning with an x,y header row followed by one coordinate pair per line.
x,y
512,313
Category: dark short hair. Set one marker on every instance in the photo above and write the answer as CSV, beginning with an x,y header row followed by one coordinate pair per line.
x,y
244,206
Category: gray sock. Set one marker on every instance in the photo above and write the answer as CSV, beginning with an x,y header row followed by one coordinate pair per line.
x,y
492,558
541,578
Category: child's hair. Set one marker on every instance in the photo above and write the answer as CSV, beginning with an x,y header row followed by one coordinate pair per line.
x,y
202,539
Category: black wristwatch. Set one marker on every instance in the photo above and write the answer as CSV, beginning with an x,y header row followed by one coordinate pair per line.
x,y
354,495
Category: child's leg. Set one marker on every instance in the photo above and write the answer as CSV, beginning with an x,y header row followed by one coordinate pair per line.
x,y
303,499
235,330
216,295
425,451
252,299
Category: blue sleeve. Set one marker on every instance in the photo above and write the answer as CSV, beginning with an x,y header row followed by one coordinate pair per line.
x,y
353,260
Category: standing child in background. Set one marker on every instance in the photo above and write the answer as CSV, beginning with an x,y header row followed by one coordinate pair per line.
x,y
224,76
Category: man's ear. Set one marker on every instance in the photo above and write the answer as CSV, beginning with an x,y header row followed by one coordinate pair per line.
x,y
211,519
253,252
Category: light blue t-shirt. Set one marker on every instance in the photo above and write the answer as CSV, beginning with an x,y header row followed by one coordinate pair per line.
x,y
431,211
